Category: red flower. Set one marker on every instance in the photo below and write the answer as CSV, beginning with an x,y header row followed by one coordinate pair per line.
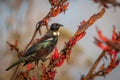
x,y
33,78
113,52
106,44
58,9
54,2
56,56
65,6
29,66
51,74
109,46
112,65
55,12
61,61
77,37
101,45
71,43
103,38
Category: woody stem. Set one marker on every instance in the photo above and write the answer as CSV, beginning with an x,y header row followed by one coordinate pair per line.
x,y
95,65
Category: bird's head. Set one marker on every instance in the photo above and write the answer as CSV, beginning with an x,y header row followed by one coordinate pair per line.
x,y
55,27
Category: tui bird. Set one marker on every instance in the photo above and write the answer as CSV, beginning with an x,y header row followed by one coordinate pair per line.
x,y
43,47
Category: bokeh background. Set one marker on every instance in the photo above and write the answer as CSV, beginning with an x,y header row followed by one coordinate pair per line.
x,y
19,17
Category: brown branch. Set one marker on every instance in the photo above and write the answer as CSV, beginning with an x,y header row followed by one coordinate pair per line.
x,y
35,32
14,73
95,65
85,26
41,23
105,3
80,31
88,23
99,73
113,45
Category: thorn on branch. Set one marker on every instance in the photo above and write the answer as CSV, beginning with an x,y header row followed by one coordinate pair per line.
x,y
13,46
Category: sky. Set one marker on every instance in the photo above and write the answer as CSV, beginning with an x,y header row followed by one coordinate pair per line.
x,y
78,11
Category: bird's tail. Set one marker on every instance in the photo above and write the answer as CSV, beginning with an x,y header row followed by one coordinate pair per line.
x,y
14,64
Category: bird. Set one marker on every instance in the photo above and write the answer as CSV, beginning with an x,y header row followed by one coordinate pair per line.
x,y
42,48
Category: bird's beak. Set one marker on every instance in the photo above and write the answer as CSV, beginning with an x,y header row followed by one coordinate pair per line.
x,y
60,25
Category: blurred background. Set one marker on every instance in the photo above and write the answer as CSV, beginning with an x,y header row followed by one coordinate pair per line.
x,y
19,17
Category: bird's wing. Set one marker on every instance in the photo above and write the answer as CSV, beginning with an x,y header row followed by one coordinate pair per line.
x,y
46,36
38,46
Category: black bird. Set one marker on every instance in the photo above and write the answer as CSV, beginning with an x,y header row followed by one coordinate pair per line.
x,y
43,48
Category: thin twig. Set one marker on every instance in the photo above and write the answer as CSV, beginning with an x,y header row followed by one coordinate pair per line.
x,y
35,32
14,74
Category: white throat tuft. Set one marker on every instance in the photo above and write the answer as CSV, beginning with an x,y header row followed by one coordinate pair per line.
x,y
56,33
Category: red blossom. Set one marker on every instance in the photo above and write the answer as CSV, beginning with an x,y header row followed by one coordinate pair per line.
x,y
112,65
61,61
108,45
48,74
113,52
29,66
59,9
57,56
101,45
116,63
65,6
73,41
78,37
55,12
114,35
51,74
103,38
108,70
54,2
33,78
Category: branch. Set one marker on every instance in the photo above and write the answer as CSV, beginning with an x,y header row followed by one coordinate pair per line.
x,y
95,65
57,59
112,48
105,3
